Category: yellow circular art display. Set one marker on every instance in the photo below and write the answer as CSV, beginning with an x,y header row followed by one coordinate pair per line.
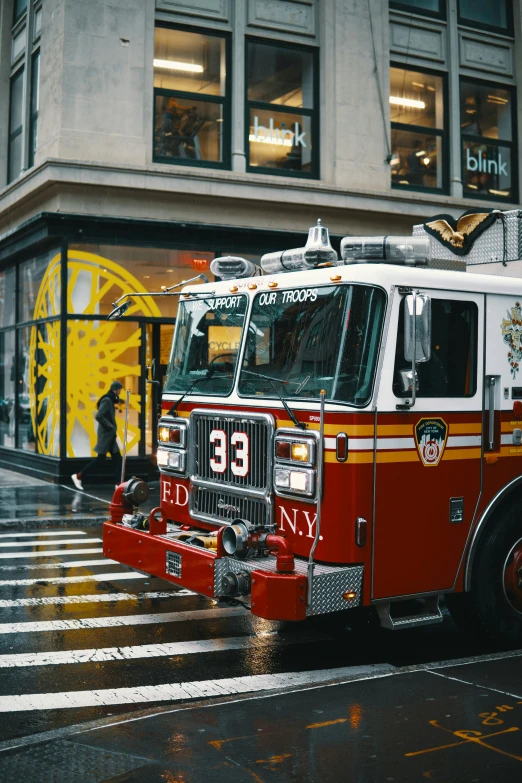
x,y
98,351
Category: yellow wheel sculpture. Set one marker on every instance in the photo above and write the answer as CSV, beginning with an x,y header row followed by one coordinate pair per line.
x,y
98,351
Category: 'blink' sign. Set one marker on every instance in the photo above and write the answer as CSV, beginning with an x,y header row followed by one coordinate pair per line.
x,y
485,165
283,135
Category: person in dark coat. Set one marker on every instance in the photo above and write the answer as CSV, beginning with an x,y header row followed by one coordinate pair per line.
x,y
106,431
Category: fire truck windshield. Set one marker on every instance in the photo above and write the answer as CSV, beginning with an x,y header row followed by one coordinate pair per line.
x,y
206,344
310,339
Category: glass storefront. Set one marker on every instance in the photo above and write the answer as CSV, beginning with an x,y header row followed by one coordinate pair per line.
x,y
36,337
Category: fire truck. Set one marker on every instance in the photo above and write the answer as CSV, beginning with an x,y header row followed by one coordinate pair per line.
x,y
341,432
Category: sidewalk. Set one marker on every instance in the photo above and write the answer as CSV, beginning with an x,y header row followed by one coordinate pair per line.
x,y
25,500
447,723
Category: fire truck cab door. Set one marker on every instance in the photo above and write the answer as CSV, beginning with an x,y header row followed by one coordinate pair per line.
x,y
428,459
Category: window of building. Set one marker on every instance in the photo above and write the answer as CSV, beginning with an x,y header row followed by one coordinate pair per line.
x,y
35,101
25,77
489,155
435,8
191,98
452,368
7,388
281,123
418,133
492,16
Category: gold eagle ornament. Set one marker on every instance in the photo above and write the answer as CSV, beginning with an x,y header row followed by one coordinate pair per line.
x,y
465,225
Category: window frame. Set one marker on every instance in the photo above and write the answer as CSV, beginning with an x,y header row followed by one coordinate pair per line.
x,y
507,31
224,100
513,144
265,106
33,115
442,133
396,5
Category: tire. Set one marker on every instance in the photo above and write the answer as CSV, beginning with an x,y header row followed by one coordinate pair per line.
x,y
493,607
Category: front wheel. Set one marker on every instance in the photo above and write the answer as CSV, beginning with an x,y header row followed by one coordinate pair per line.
x,y
493,607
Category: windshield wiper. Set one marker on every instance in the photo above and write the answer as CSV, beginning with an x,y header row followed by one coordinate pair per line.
x,y
207,377
273,382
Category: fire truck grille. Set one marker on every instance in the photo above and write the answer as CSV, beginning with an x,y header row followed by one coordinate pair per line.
x,y
258,431
226,507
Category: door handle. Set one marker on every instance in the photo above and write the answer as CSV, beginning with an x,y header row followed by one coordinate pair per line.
x,y
491,385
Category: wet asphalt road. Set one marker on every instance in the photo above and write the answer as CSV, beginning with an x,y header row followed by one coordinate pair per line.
x,y
75,623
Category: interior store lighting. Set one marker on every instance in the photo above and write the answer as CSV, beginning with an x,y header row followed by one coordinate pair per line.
x,y
270,140
174,65
420,153
409,102
499,192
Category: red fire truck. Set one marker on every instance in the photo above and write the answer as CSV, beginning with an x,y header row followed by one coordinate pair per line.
x,y
339,433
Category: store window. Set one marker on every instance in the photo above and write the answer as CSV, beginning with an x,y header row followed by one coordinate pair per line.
x,y
418,134
8,296
489,159
282,128
435,8
15,126
493,16
7,388
191,98
40,286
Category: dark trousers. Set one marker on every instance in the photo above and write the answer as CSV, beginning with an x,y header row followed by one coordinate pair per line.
x,y
97,463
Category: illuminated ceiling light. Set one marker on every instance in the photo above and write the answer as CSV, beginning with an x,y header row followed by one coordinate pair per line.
x,y
174,65
403,182
426,161
498,98
471,111
395,161
499,192
418,84
431,89
169,270
409,102
473,187
270,140
421,153
147,277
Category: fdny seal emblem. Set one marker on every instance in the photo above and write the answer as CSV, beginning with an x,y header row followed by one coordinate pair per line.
x,y
431,436
512,334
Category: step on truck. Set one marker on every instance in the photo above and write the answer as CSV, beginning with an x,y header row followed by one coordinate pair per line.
x,y
345,431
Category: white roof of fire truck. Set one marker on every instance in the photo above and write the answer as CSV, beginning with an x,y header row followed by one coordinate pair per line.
x,y
382,274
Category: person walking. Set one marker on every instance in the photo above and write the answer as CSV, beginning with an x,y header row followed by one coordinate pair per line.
x,y
106,431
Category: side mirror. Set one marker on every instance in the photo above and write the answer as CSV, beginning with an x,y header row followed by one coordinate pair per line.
x,y
418,323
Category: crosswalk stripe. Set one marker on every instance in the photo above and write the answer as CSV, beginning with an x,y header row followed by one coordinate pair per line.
x,y
51,553
188,690
101,654
90,599
46,533
68,564
119,621
59,542
114,576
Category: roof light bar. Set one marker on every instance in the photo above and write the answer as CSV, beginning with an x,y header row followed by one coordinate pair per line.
x,y
409,251
233,267
317,252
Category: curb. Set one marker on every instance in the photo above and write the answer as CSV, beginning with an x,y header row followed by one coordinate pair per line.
x,y
53,521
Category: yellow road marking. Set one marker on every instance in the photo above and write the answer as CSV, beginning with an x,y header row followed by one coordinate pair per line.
x,y
468,735
327,723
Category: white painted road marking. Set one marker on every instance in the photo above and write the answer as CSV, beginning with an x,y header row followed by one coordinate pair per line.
x,y
47,533
90,599
61,542
118,621
99,654
187,690
114,576
51,553
68,564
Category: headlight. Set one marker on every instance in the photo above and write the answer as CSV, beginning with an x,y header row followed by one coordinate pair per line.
x,y
299,480
301,452
162,457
